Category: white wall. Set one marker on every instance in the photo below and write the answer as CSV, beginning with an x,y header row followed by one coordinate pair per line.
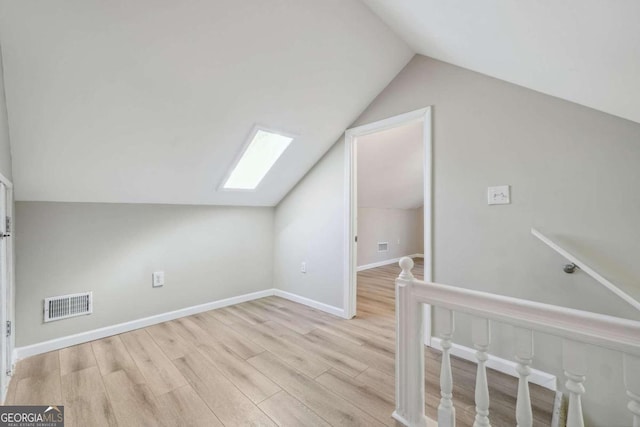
x,y
309,227
5,147
399,227
207,253
574,173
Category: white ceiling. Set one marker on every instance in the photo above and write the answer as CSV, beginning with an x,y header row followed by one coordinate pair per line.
x,y
585,51
390,168
149,101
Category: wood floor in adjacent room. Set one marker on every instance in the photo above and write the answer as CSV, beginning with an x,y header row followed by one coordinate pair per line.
x,y
265,362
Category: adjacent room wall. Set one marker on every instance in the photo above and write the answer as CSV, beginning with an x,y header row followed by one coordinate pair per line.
x,y
574,174
207,253
398,227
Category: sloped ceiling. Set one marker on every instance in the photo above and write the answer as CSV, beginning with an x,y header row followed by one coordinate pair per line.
x,y
390,168
585,51
150,101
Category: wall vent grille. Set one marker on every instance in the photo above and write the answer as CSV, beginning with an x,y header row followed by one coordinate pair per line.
x,y
383,246
65,306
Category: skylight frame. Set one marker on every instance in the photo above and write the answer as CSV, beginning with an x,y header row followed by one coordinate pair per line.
x,y
256,128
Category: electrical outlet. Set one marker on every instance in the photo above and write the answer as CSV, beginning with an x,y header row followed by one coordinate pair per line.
x,y
303,267
158,279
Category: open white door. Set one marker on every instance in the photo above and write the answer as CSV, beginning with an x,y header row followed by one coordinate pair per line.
x,y
351,203
5,294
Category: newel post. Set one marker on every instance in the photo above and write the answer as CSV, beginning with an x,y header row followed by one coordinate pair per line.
x,y
409,351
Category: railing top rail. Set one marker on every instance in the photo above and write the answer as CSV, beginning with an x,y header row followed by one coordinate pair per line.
x,y
598,329
587,269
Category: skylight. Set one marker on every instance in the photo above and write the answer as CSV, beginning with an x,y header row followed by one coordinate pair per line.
x,y
258,158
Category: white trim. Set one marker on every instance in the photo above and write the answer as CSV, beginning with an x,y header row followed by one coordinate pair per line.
x,y
590,271
386,262
82,337
350,199
8,290
311,303
6,181
543,379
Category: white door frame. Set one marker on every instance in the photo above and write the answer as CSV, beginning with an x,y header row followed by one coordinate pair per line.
x,y
7,290
351,203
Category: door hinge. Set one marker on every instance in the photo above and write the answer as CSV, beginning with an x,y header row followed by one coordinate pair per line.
x,y
8,330
356,239
7,229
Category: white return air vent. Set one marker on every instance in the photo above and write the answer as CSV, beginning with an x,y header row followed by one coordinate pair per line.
x,y
65,306
383,246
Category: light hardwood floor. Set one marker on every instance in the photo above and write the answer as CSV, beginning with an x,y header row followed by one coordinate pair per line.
x,y
266,362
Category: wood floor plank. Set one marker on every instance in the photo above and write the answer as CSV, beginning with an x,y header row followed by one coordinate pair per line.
x,y
227,402
225,316
85,399
220,332
302,360
134,404
76,358
43,389
369,357
37,366
244,315
158,371
316,397
289,412
169,340
296,323
329,355
248,379
111,356
189,410
383,382
369,399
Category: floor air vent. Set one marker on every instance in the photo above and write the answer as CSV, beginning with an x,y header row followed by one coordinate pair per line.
x,y
65,306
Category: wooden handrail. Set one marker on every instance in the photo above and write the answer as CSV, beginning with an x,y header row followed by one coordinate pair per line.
x,y
584,267
593,328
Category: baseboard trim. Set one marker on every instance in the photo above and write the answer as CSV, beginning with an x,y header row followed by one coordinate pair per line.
x,y
386,262
311,303
95,334
83,337
505,366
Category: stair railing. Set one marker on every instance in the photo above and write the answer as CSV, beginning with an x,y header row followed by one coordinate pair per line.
x,y
575,262
577,328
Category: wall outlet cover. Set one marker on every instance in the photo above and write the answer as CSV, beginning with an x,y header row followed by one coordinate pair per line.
x,y
499,195
158,279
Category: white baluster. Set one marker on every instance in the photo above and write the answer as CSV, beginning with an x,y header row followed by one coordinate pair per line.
x,y
481,335
445,327
409,351
524,356
631,372
574,363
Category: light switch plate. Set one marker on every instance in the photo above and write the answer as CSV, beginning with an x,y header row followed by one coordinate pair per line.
x,y
499,195
158,279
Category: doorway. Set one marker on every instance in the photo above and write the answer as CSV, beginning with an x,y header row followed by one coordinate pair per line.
x,y
6,286
363,134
